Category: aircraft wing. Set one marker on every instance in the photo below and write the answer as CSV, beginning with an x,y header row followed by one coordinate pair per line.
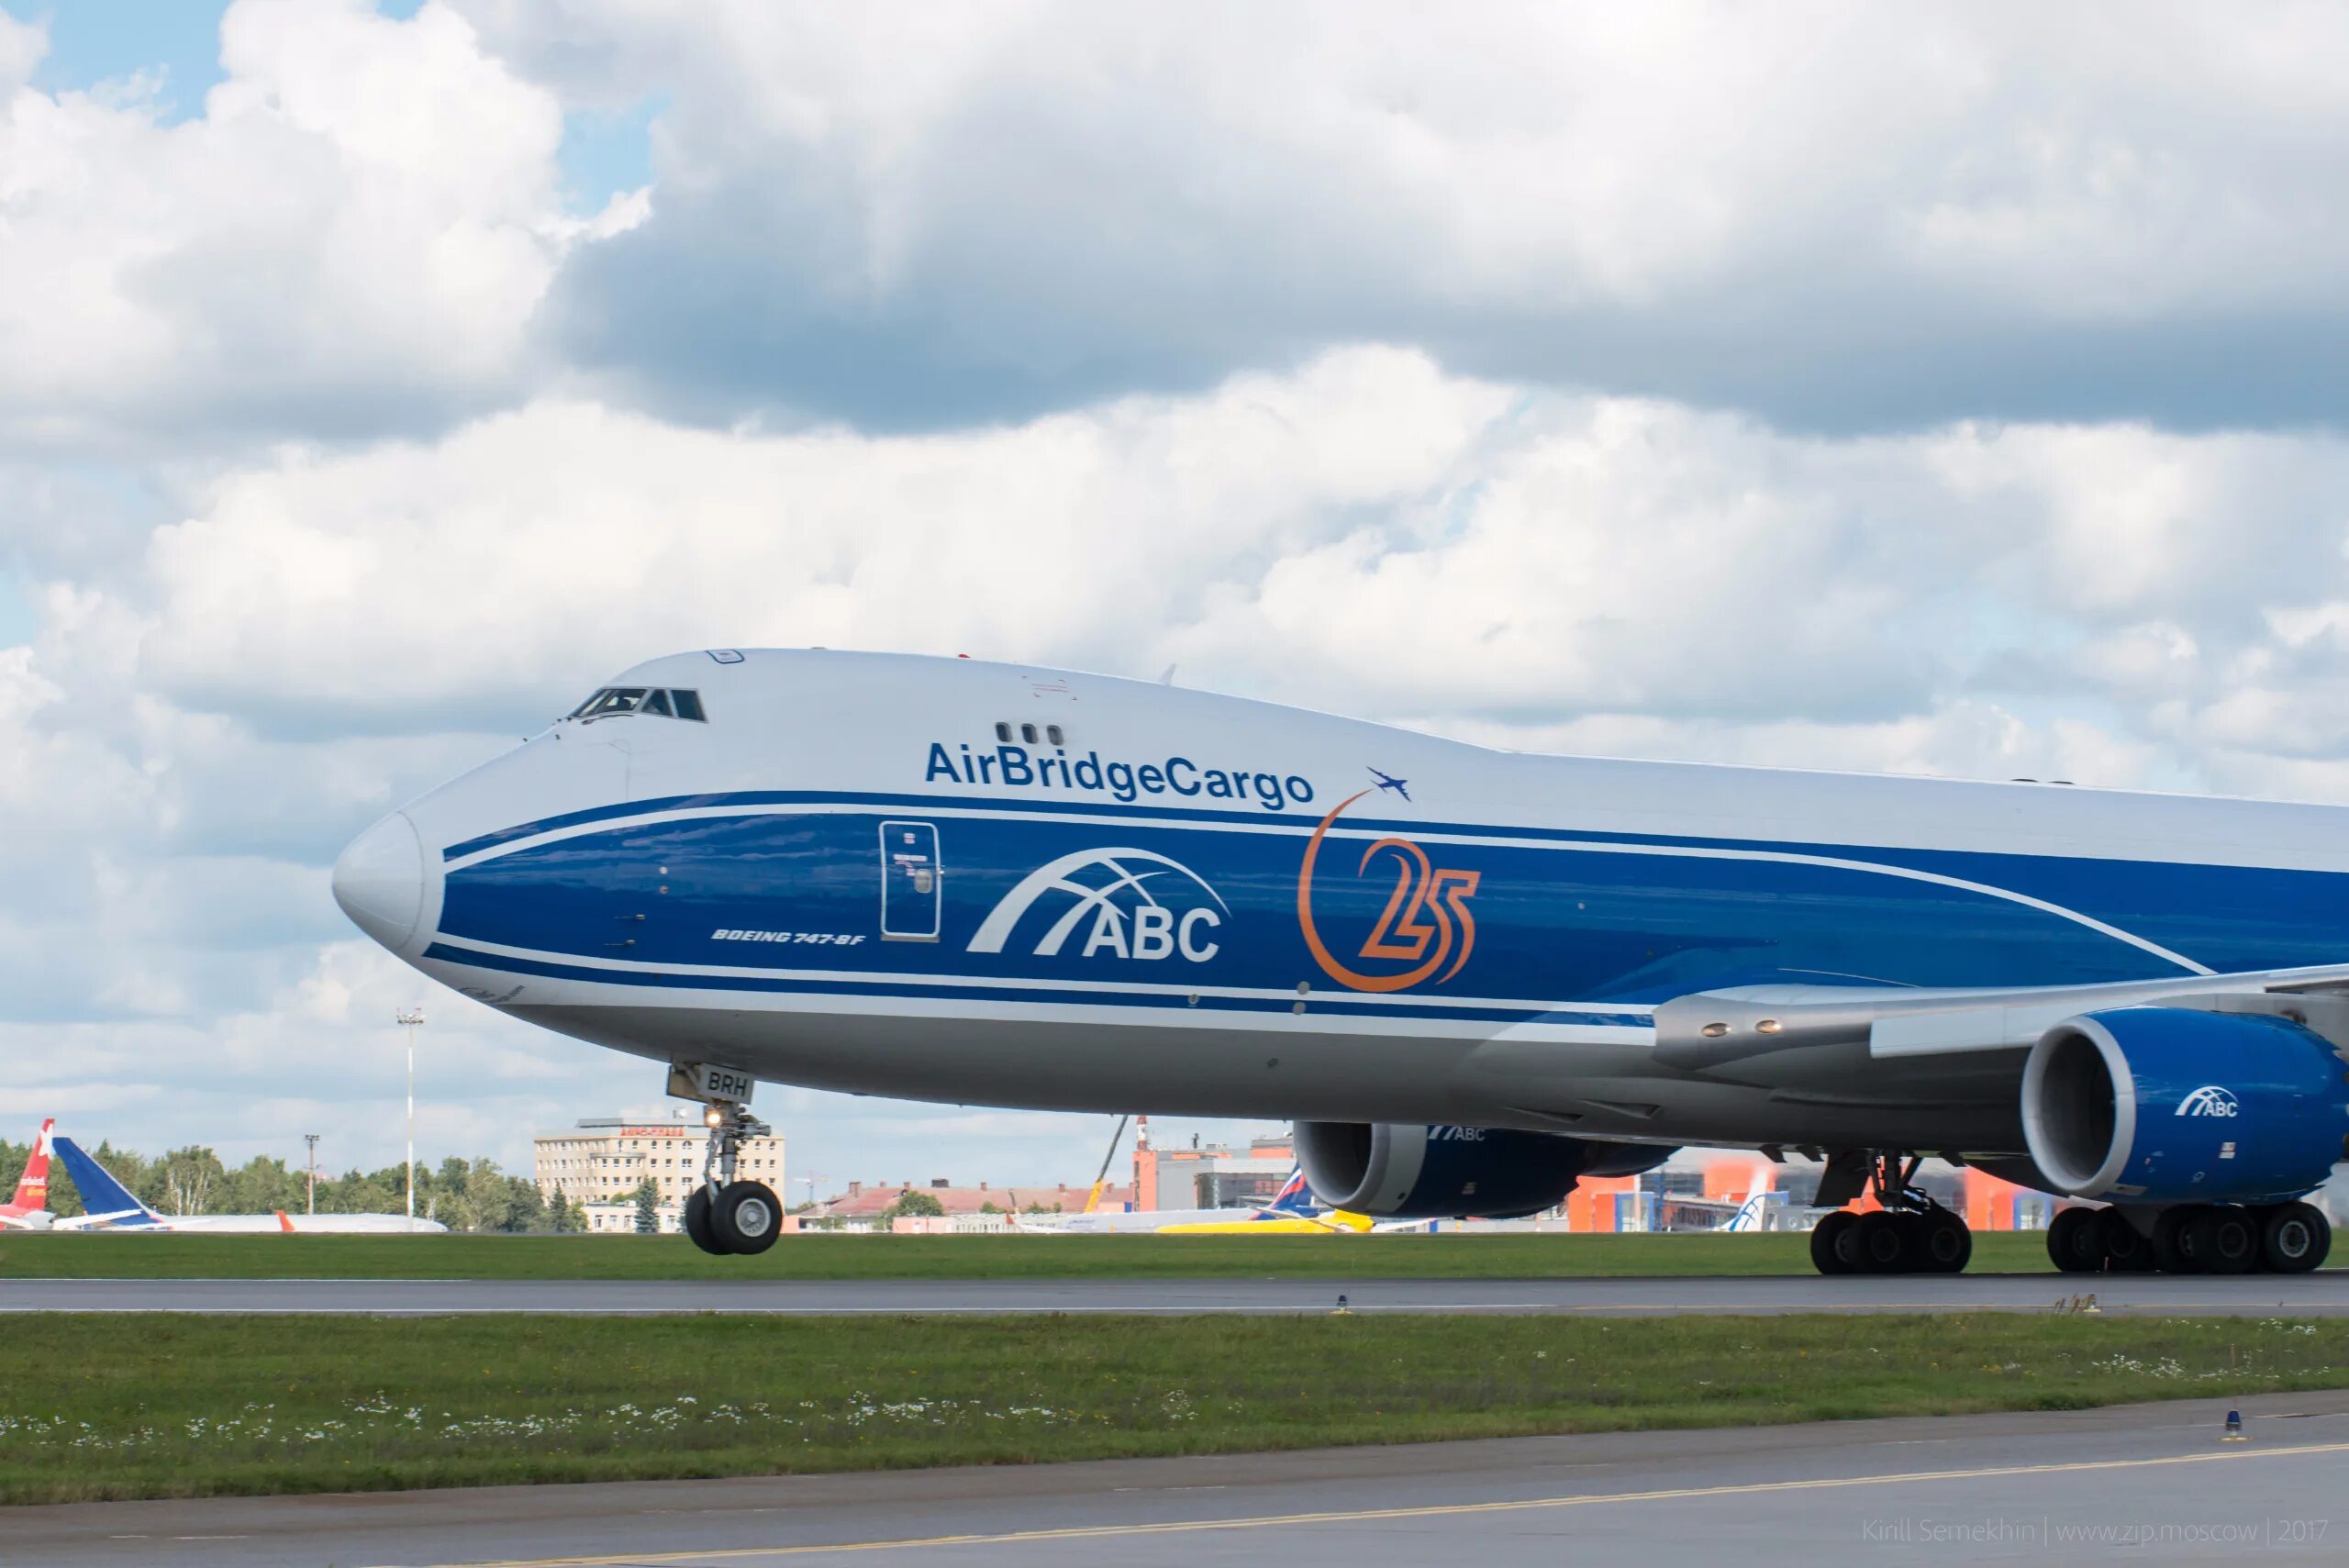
x,y
1739,1025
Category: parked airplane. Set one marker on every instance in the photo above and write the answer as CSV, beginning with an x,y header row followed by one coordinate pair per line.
x,y
987,884
28,1210
1293,1201
110,1207
1292,1212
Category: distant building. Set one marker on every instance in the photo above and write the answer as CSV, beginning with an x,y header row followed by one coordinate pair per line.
x,y
864,1201
1696,1191
620,1218
598,1165
1213,1175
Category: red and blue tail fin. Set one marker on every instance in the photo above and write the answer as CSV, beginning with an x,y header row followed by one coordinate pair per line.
x,y
1295,1197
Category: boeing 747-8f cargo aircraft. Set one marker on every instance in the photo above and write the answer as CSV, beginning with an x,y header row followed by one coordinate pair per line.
x,y
957,881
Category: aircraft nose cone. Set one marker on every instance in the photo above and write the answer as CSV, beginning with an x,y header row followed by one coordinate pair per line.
x,y
379,880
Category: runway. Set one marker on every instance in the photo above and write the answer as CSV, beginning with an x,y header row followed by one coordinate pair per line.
x,y
2150,1483
2319,1295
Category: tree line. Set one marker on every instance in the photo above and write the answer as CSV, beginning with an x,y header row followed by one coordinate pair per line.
x,y
463,1195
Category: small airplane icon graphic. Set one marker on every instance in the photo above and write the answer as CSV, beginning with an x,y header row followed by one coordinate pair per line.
x,y
1385,782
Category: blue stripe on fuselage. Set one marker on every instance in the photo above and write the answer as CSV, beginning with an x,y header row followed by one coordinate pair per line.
x,y
1627,919
938,989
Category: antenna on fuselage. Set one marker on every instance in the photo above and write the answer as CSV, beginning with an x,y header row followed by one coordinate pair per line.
x,y
1167,678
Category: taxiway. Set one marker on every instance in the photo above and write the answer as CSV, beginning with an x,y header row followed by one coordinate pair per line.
x,y
2319,1295
2150,1483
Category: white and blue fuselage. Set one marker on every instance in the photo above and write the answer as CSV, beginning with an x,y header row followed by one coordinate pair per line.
x,y
950,880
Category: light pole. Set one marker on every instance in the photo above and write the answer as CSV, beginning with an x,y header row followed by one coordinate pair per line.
x,y
312,1139
410,1019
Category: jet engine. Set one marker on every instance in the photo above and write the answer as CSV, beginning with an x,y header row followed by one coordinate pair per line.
x,y
2172,1104
1406,1171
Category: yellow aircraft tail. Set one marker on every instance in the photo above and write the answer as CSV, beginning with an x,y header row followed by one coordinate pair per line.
x,y
1329,1222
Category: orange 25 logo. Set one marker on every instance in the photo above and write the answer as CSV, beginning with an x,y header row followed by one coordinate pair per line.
x,y
1426,915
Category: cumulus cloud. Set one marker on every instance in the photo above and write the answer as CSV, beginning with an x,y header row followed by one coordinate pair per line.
x,y
1827,217
1368,532
354,235
22,45
1065,533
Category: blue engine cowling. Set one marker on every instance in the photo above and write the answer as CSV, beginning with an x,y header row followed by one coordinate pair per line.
x,y
1408,1171
2170,1105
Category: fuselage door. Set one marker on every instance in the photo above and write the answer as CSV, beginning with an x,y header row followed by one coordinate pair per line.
x,y
912,894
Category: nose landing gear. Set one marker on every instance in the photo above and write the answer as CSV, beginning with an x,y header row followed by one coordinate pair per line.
x,y
1908,1234
724,1215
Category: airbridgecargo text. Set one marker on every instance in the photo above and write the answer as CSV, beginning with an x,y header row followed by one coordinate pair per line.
x,y
1014,767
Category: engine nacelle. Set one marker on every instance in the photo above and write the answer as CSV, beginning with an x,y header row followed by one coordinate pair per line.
x,y
1406,1171
2169,1105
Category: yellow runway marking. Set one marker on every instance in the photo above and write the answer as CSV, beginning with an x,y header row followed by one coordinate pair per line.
x,y
1428,1511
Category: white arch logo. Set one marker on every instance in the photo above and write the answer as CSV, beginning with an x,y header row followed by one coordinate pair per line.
x,y
2209,1100
1143,927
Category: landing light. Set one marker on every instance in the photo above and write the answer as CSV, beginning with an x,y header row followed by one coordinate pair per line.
x,y
1715,1031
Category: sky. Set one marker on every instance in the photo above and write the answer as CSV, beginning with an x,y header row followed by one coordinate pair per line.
x,y
1952,389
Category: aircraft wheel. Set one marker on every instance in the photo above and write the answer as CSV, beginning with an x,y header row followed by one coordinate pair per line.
x,y
1885,1240
2126,1250
696,1220
2294,1238
746,1218
1830,1244
2075,1241
2168,1245
2222,1241
1944,1243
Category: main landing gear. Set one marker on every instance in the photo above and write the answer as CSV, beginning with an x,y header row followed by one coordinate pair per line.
x,y
1910,1234
2193,1239
723,1215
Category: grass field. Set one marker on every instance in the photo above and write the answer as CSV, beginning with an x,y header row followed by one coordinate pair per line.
x,y
939,1257
165,1405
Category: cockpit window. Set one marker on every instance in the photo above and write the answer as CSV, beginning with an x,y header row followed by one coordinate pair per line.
x,y
612,701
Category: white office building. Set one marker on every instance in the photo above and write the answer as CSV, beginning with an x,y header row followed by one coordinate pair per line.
x,y
598,1164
